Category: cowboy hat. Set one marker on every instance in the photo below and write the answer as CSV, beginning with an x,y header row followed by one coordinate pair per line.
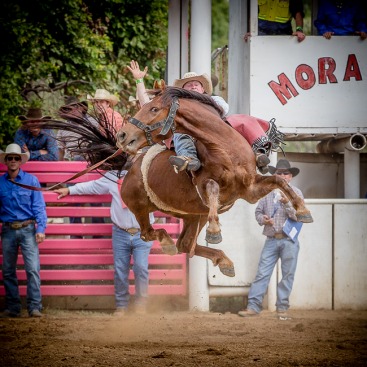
x,y
13,149
103,95
33,114
284,165
72,101
204,79
133,99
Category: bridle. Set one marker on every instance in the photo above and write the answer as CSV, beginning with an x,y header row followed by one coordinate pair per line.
x,y
166,124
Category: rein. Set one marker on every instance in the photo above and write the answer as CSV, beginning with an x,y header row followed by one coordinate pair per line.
x,y
81,173
166,124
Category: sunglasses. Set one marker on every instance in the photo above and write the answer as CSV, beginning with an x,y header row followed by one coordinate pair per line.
x,y
283,173
16,158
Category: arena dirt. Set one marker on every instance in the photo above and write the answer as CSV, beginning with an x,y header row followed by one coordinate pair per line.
x,y
72,338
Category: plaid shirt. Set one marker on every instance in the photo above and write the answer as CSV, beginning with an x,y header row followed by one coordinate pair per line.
x,y
271,207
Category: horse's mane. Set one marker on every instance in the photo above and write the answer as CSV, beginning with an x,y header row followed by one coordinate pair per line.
x,y
171,92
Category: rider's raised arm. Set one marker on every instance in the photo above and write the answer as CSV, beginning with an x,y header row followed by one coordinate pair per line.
x,y
139,75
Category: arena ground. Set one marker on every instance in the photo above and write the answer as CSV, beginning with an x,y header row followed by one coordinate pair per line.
x,y
81,338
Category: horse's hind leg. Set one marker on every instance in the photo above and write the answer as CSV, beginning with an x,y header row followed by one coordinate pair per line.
x,y
213,233
265,184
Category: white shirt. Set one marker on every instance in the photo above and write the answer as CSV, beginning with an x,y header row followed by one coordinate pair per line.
x,y
222,103
107,184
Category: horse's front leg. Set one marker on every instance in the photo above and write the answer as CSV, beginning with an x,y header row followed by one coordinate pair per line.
x,y
160,235
213,233
148,233
218,257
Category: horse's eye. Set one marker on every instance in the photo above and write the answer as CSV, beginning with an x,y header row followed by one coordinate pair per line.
x,y
154,109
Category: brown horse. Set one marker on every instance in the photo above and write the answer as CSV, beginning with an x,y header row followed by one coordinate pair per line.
x,y
228,172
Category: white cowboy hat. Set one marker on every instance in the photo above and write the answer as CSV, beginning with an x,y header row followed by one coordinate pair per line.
x,y
204,79
14,149
103,95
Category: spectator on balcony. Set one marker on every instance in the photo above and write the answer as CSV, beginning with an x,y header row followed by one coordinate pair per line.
x,y
40,143
341,18
23,217
103,102
126,241
275,18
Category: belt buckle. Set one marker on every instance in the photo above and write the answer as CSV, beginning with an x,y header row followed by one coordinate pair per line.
x,y
132,231
16,225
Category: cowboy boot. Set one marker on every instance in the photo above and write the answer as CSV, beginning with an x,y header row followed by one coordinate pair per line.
x,y
262,161
186,154
262,147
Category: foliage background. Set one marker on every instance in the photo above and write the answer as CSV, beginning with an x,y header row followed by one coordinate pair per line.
x,y
51,49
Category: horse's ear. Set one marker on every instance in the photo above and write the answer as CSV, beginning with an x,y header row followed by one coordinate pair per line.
x,y
159,84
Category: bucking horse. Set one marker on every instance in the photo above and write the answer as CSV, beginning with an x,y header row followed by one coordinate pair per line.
x,y
228,172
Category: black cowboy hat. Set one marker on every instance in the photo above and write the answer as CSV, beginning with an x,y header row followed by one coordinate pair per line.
x,y
33,114
284,165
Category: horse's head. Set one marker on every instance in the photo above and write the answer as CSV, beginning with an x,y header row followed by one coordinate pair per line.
x,y
156,120
150,125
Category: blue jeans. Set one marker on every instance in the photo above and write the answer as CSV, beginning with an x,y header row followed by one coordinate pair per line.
x,y
26,239
184,145
124,245
287,251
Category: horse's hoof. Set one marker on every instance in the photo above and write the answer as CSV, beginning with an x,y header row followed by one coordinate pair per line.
x,y
304,218
229,272
213,237
170,249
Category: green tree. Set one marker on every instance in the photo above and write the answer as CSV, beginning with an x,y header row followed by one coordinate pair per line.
x,y
55,48
220,23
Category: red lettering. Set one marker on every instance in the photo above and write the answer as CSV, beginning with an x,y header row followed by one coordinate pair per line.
x,y
305,76
283,89
352,69
327,66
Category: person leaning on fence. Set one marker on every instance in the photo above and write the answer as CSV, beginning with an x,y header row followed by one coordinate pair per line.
x,y
187,158
275,18
126,241
341,18
23,217
40,143
272,212
67,140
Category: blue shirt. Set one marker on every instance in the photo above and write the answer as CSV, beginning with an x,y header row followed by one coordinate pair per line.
x,y
44,140
347,19
19,204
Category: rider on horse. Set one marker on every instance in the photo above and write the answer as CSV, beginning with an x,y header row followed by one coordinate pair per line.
x,y
262,135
